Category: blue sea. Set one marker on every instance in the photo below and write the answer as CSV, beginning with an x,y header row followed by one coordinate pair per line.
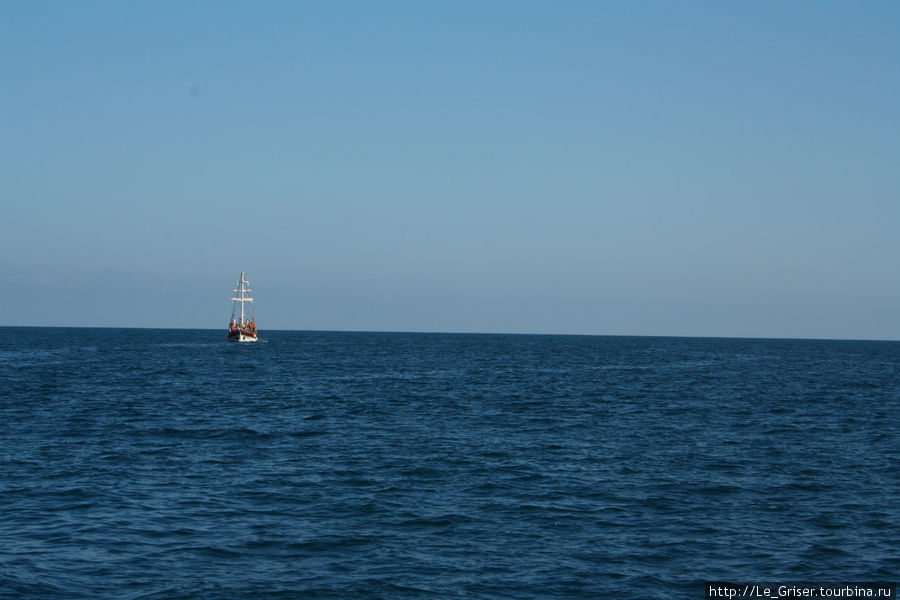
x,y
158,464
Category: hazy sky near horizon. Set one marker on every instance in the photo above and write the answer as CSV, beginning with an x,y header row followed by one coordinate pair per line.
x,y
650,168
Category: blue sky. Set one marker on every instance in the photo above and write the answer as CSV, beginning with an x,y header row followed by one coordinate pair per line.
x,y
649,168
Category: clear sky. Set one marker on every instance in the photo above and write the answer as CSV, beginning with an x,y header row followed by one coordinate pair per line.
x,y
649,168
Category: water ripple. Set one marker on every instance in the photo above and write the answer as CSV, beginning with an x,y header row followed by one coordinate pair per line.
x,y
167,464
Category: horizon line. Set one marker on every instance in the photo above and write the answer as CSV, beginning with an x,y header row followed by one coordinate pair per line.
x,y
509,333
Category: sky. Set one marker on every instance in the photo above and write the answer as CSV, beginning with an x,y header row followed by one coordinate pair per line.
x,y
622,168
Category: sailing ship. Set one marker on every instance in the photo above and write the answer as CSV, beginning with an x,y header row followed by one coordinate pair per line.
x,y
242,329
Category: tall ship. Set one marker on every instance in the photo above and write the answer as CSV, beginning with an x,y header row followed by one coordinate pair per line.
x,y
242,328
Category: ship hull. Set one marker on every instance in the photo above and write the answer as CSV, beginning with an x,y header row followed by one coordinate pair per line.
x,y
241,337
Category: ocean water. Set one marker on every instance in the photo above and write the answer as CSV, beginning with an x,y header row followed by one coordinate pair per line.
x,y
159,464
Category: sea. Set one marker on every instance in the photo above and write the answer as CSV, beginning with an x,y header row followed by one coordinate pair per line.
x,y
170,464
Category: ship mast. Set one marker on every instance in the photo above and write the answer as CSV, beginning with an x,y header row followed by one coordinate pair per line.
x,y
241,291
